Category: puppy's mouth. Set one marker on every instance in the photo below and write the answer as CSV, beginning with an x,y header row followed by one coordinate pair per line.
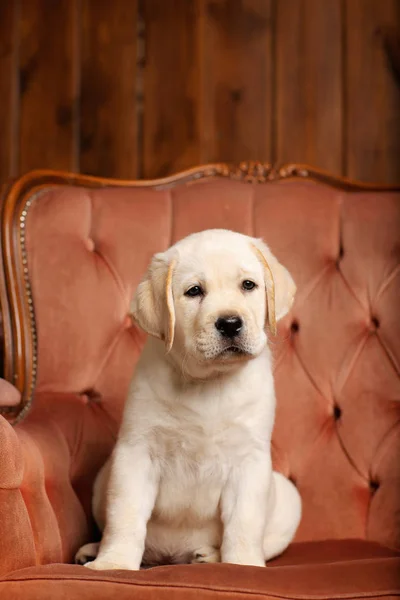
x,y
226,351
233,352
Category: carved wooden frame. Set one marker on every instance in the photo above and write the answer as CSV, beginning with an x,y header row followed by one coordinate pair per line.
x,y
20,352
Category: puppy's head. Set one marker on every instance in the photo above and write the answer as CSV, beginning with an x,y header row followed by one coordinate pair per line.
x,y
211,296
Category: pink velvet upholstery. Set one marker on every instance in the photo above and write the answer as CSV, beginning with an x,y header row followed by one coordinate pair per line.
x,y
337,364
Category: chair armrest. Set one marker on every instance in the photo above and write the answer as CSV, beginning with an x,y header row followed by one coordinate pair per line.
x,y
41,518
17,547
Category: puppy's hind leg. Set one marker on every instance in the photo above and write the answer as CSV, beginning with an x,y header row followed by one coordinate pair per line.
x,y
206,554
285,511
87,553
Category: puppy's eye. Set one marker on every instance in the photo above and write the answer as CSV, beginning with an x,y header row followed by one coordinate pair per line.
x,y
194,291
248,285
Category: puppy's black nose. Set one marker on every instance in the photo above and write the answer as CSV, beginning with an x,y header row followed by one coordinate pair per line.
x,y
229,326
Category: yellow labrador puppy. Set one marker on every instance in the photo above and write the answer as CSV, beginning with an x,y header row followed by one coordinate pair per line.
x,y
190,479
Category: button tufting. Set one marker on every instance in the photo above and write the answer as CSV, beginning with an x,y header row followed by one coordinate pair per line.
x,y
339,257
127,324
91,395
337,412
90,244
375,322
373,486
294,327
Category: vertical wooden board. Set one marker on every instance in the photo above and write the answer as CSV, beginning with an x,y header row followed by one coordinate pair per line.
x,y
108,88
372,91
236,84
8,89
47,84
309,83
170,86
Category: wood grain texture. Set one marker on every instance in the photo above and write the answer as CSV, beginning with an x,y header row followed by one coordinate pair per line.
x,y
373,90
8,89
236,111
108,95
309,82
48,91
171,100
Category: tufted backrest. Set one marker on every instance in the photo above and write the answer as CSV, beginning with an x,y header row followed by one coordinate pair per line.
x,y
84,245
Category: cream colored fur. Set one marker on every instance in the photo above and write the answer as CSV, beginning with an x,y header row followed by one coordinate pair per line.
x,y
190,478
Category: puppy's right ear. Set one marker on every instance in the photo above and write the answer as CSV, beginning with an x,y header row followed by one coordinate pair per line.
x,y
152,306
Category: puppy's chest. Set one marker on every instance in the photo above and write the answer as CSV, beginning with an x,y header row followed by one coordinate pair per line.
x,y
200,447
194,461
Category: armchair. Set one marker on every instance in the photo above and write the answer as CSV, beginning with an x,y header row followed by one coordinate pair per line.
x,y
73,250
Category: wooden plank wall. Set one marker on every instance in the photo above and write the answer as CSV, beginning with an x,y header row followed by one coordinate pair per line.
x,y
142,88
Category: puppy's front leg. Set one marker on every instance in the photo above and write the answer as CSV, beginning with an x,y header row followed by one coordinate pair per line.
x,y
131,495
244,511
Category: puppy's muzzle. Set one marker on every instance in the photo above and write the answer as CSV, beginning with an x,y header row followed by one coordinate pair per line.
x,y
229,327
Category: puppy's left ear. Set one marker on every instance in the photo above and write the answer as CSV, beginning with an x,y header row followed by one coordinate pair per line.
x,y
279,284
153,304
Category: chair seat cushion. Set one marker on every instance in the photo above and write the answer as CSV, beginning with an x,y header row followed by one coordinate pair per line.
x,y
321,570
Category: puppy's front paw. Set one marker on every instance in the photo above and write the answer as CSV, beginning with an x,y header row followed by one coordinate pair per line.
x,y
250,560
206,554
105,565
243,557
